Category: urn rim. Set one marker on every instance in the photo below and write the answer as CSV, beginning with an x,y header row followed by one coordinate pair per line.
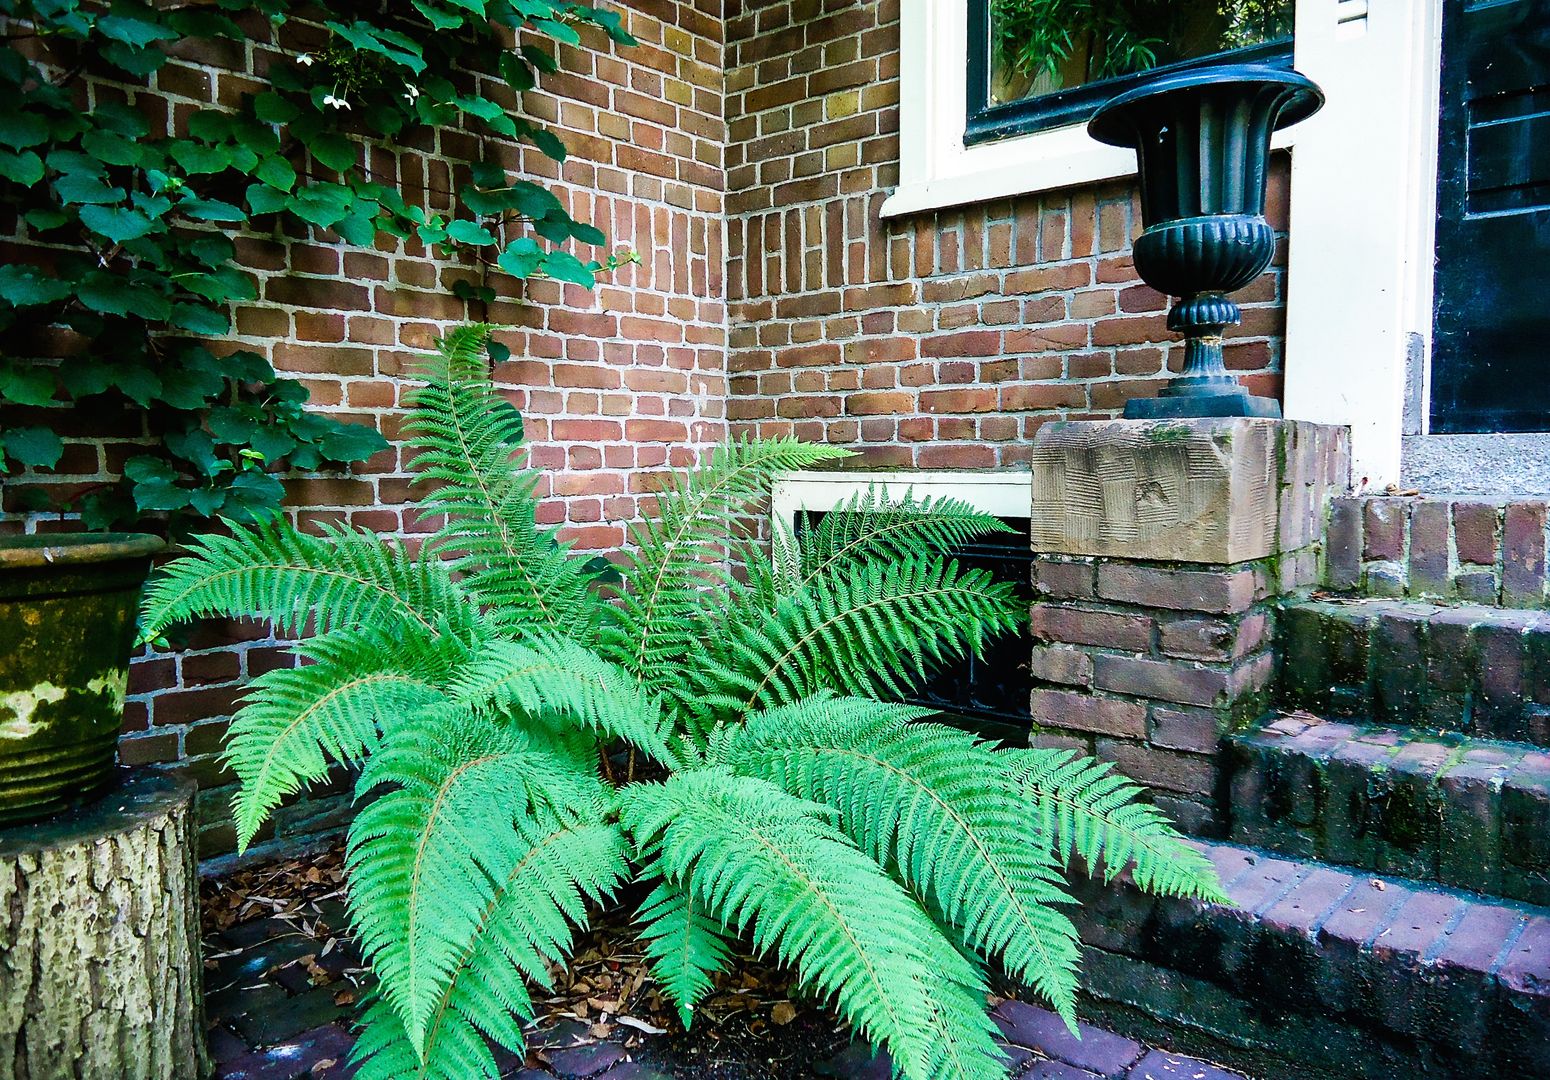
x,y
75,549
1111,125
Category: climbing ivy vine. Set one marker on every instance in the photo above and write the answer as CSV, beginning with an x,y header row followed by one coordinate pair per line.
x,y
124,266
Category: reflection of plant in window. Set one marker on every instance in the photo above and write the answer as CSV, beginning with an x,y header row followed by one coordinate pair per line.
x,y
1044,45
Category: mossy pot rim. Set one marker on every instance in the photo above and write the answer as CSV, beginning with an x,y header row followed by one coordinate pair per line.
x,y
75,549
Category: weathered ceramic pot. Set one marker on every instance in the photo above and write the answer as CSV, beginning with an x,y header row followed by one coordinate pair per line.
x,y
67,623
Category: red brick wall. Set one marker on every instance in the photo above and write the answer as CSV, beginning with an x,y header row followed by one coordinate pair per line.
x,y
940,339
614,383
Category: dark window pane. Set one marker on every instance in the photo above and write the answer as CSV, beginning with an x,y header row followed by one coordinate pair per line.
x,y
1042,46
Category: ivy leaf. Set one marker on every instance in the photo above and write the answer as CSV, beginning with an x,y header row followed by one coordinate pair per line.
x,y
26,384
517,73
263,199
557,30
271,108
357,229
113,295
352,442
276,172
133,31
116,223
211,209
25,168
137,382
25,286
470,232
563,266
334,151
119,118
439,19
255,495
83,376
197,159
521,258
37,447
111,148
77,187
199,320
588,234
137,62
540,58
19,130
324,205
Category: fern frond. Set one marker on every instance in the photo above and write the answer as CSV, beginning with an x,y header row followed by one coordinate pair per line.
x,y
548,674
933,804
469,442
871,526
766,863
686,947
296,721
425,856
347,578
863,630
682,548
1083,808
526,925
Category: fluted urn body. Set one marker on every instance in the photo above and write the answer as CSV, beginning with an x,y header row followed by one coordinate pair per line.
x,y
1202,142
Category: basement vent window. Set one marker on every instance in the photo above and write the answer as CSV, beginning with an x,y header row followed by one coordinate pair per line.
x,y
990,694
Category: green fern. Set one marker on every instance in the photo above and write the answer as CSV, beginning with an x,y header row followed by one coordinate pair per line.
x,y
485,689
922,799
1087,810
686,947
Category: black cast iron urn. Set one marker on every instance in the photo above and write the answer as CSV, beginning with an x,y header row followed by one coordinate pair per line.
x,y
1202,141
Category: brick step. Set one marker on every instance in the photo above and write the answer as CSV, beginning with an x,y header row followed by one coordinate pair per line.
x,y
1468,813
1476,670
1324,974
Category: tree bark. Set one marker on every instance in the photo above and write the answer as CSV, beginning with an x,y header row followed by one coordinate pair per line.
x,y
100,972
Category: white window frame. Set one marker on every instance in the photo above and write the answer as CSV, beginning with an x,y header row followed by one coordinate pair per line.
x,y
1363,194
1006,493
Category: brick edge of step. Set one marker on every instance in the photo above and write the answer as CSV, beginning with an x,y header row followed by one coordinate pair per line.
x,y
1468,813
1320,972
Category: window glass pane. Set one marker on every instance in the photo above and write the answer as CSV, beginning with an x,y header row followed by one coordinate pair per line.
x,y
1040,46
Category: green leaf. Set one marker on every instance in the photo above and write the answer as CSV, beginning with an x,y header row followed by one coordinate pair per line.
x,y
111,148
137,382
134,31
211,210
83,376
334,151
352,442
77,187
274,109
114,295
137,62
563,266
198,159
25,286
22,383
25,168
276,172
37,447
470,232
264,199
517,73
540,58
19,130
116,223
199,320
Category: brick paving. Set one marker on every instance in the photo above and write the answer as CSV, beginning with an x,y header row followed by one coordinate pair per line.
x,y
278,1010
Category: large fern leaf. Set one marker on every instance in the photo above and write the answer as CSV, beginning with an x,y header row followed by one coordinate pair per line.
x,y
346,577
1085,809
865,630
525,925
686,947
934,804
469,442
872,526
681,549
766,863
548,674
426,854
298,720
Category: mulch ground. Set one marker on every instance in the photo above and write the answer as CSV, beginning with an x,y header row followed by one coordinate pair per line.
x,y
282,979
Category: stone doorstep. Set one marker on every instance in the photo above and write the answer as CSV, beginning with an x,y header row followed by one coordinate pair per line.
x,y
1322,972
1467,813
1482,671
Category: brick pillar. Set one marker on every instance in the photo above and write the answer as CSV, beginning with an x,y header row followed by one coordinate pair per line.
x,y
1159,550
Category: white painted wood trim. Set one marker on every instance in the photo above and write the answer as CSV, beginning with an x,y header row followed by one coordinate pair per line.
x,y
1002,493
1364,190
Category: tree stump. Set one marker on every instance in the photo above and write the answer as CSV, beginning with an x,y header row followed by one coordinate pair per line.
x,y
100,972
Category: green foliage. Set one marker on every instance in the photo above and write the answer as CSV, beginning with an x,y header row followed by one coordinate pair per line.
x,y
1106,38
498,700
127,227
